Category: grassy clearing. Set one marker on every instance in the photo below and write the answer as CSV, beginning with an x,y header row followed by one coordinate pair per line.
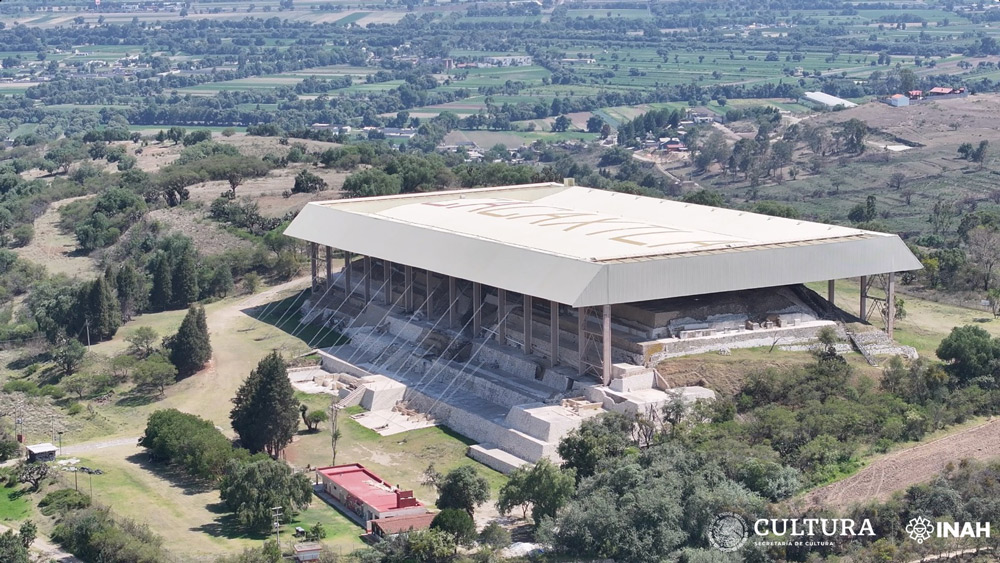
x,y
14,505
285,316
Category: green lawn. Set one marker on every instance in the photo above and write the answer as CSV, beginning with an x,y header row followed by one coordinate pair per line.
x,y
14,504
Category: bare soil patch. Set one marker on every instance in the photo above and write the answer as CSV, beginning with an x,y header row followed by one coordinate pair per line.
x,y
902,469
209,238
267,191
55,249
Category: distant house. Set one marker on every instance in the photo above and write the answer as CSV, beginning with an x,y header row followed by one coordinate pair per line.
x,y
42,452
519,60
672,145
898,100
915,94
307,551
946,91
398,133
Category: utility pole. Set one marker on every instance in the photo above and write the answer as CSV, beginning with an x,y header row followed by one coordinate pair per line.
x,y
87,324
276,522
60,442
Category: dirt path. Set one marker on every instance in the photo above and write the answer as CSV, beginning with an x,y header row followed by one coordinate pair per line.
x,y
77,449
53,249
48,551
904,468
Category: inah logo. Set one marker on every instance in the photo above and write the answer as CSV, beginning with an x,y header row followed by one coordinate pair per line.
x,y
920,529
728,532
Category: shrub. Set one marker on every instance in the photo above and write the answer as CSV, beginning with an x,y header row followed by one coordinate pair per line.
x,y
63,500
53,391
74,408
22,234
21,386
456,522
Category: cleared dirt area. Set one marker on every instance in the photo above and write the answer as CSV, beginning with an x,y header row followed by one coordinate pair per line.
x,y
54,249
267,191
209,238
902,469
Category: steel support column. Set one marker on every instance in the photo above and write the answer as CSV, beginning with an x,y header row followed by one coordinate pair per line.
x,y
408,288
477,309
313,251
348,286
387,281
527,323
430,292
452,302
581,339
501,316
890,302
831,292
329,267
367,262
606,342
553,333
864,299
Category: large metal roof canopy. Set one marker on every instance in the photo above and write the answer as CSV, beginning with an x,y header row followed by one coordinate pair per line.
x,y
587,247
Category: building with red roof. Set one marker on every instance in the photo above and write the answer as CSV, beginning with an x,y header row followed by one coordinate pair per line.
x,y
362,492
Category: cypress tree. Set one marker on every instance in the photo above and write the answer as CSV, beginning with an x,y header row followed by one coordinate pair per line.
x,y
102,311
190,348
160,296
130,286
184,281
265,411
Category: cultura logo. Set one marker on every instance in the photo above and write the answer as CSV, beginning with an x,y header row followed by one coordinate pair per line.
x,y
728,532
920,529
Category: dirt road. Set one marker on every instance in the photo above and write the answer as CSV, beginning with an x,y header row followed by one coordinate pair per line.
x,y
54,249
48,551
902,469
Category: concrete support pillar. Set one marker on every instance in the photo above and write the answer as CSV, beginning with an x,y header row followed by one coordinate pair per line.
x,y
527,324
606,342
313,251
329,267
368,278
890,302
501,316
452,302
831,292
553,333
430,292
387,281
581,339
408,288
864,299
477,309
348,286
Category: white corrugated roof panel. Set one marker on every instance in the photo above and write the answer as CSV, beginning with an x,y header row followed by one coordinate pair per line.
x,y
582,246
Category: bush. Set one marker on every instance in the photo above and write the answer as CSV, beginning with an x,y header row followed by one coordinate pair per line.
x,y
74,408
22,234
92,534
190,442
53,391
62,501
495,536
21,386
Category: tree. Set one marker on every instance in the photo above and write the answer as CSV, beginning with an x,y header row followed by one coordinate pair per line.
x,y
598,438
705,197
32,473
69,355
12,550
190,349
161,294
984,250
184,280
251,488
854,132
308,183
265,411
463,488
189,442
993,296
27,533
154,371
979,155
965,150
595,124
130,287
372,182
972,356
545,487
562,123
101,310
456,522
142,341
896,180
313,418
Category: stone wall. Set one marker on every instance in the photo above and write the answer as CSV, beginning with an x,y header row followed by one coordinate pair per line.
x,y
659,350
